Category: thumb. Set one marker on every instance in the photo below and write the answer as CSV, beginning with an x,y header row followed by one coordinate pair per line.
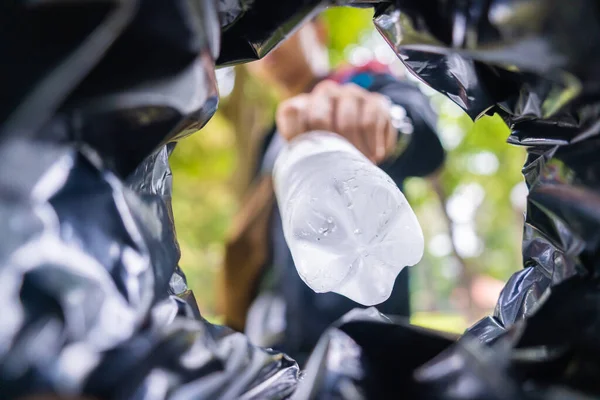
x,y
291,116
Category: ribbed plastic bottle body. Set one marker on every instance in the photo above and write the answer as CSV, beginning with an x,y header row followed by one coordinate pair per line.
x,y
348,226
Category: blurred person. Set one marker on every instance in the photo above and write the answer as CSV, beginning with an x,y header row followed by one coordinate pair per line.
x,y
389,121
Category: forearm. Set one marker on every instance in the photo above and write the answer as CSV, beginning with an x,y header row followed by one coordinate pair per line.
x,y
419,151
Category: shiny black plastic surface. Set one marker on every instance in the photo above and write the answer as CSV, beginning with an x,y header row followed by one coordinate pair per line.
x,y
254,27
92,301
536,64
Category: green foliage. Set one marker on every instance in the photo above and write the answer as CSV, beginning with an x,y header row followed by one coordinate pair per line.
x,y
203,205
346,26
497,223
453,323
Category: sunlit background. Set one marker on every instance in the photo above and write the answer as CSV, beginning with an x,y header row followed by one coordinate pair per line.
x,y
471,213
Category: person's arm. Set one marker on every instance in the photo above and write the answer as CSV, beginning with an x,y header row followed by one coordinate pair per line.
x,y
360,116
423,153
364,117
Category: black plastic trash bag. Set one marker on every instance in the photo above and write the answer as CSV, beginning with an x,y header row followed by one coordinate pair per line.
x,y
536,64
547,99
252,28
367,355
92,301
86,274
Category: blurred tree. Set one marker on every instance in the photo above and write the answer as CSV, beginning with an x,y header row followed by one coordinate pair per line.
x,y
249,120
203,203
347,26
470,223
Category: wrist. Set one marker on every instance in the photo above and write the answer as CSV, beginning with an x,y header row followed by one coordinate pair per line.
x,y
403,124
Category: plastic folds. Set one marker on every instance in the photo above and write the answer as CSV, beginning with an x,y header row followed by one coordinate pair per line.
x,y
92,301
85,281
535,63
252,28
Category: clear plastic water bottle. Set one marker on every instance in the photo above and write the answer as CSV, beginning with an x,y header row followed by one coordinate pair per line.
x,y
348,226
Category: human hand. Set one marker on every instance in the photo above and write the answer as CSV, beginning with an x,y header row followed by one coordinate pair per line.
x,y
360,116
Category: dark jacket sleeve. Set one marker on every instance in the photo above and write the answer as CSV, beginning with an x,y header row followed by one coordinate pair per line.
x,y
424,153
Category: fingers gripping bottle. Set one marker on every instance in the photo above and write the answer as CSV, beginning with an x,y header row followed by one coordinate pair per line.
x,y
348,226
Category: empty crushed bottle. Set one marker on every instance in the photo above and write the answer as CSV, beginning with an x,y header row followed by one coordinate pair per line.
x,y
349,228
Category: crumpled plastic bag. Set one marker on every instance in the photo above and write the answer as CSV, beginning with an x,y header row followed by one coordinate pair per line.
x,y
254,27
367,355
535,64
90,294
543,103
92,299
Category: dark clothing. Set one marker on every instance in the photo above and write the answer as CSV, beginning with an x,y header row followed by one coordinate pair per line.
x,y
308,313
